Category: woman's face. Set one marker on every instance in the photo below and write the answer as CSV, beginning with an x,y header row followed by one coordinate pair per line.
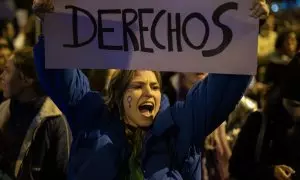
x,y
142,99
290,44
293,107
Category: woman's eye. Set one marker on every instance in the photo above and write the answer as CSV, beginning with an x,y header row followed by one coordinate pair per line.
x,y
135,86
156,87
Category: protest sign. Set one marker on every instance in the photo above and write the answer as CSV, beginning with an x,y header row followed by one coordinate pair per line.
x,y
171,35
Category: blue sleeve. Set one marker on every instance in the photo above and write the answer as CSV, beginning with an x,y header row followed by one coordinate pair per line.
x,y
66,87
94,156
207,105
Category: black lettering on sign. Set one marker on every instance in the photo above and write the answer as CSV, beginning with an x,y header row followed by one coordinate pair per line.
x,y
184,29
76,44
144,29
101,30
153,29
128,31
227,32
176,29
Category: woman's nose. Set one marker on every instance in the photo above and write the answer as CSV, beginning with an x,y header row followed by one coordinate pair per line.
x,y
148,90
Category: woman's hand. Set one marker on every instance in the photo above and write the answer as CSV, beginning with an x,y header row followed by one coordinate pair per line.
x,y
40,7
260,9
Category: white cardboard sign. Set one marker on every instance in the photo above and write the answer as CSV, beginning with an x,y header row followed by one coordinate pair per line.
x,y
215,36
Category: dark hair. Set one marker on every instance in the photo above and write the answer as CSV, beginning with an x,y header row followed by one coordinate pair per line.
x,y
281,38
98,79
3,24
23,60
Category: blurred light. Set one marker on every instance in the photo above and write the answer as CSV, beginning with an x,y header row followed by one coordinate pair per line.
x,y
284,5
275,7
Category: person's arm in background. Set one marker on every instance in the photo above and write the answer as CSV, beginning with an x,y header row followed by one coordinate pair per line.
x,y
223,140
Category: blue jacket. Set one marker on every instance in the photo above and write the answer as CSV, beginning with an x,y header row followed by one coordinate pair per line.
x,y
172,147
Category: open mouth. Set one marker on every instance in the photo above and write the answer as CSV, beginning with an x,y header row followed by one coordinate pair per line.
x,y
146,109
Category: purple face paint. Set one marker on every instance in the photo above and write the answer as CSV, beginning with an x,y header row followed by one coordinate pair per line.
x,y
129,98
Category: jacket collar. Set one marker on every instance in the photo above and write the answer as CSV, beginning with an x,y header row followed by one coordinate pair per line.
x,y
48,109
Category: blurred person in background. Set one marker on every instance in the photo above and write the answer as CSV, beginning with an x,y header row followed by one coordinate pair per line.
x,y
20,30
34,135
266,45
5,52
286,48
7,32
268,145
25,35
266,38
21,21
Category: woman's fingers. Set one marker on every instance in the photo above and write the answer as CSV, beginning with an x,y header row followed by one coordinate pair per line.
x,y
259,9
40,7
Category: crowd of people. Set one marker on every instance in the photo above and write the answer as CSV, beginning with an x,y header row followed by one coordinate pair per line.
x,y
98,124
